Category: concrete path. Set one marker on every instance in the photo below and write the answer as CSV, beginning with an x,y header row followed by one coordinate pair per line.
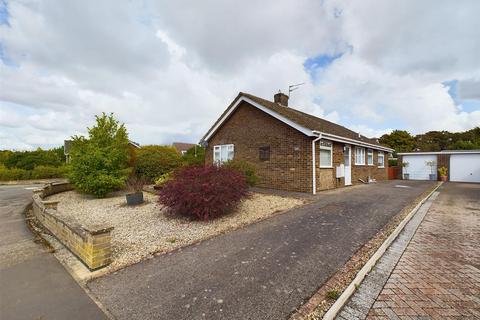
x,y
263,271
33,284
437,273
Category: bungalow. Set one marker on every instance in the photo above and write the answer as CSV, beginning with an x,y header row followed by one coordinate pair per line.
x,y
293,150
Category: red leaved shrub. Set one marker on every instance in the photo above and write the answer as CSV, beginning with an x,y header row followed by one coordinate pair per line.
x,y
203,192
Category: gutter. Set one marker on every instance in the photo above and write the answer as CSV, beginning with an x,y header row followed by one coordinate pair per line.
x,y
314,171
333,137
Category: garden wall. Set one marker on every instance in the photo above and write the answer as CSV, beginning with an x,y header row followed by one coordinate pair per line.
x,y
92,246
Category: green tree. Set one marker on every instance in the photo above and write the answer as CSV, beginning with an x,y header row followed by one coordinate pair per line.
x,y
154,161
194,156
99,164
399,140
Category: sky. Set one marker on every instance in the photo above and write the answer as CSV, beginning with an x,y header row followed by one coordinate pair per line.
x,y
168,69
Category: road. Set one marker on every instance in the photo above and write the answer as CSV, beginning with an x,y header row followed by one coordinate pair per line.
x,y
33,284
262,271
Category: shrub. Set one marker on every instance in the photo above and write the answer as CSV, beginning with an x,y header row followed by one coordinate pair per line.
x,y
163,179
247,169
154,161
203,192
28,160
194,156
13,174
99,164
443,171
47,172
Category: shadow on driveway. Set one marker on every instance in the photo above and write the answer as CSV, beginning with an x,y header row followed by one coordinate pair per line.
x,y
262,271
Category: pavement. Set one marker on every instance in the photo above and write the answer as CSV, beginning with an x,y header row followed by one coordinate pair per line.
x,y
263,271
432,270
33,284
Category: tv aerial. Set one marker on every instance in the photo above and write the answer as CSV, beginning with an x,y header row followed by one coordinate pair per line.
x,y
294,87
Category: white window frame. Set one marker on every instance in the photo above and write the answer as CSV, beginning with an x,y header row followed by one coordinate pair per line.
x,y
230,148
381,155
362,157
369,153
329,148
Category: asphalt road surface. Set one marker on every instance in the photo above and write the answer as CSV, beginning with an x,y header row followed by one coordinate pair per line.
x,y
33,284
263,271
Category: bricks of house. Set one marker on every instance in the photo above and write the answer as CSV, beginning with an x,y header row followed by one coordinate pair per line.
x,y
249,129
443,160
290,164
365,171
92,246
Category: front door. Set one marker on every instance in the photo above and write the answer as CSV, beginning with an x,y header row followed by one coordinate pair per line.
x,y
347,154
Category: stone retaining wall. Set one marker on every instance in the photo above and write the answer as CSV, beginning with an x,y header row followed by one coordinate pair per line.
x,y
92,246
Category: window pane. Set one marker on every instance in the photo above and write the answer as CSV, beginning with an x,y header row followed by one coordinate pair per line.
x,y
224,153
325,158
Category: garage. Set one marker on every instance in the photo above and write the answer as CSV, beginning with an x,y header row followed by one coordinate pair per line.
x,y
465,167
462,165
420,166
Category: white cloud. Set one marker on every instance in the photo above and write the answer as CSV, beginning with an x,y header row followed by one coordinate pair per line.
x,y
168,69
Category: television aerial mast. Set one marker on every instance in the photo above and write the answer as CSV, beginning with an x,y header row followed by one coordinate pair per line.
x,y
294,87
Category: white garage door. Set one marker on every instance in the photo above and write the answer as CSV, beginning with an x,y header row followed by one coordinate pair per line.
x,y
418,169
465,167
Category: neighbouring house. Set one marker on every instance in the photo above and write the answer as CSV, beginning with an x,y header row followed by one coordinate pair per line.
x,y
183,147
293,150
67,146
462,165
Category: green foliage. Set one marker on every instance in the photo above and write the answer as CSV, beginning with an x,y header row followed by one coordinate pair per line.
x,y
392,162
164,178
30,159
333,294
402,141
399,140
7,174
442,171
246,168
194,156
154,161
47,172
99,164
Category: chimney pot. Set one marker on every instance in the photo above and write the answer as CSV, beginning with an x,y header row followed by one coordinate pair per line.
x,y
281,98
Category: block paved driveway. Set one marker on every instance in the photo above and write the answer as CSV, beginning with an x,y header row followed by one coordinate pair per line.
x,y
263,271
438,275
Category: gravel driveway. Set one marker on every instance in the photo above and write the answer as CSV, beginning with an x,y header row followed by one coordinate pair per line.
x,y
142,230
262,271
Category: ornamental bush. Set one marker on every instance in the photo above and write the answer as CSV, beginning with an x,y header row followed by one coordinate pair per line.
x,y
203,192
154,161
245,168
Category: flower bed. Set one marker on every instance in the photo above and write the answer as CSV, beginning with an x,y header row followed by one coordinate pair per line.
x,y
142,230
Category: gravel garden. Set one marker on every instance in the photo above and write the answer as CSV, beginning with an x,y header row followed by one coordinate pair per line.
x,y
139,231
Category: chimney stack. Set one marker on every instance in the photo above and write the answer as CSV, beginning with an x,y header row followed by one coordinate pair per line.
x,y
281,98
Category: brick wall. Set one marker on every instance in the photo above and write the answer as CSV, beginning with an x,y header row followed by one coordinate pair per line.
x,y
91,246
249,129
290,164
443,160
364,171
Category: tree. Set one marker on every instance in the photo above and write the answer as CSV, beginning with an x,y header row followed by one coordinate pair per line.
x,y
399,140
195,156
99,164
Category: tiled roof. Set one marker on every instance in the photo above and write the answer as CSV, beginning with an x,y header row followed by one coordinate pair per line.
x,y
310,122
182,146
302,119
